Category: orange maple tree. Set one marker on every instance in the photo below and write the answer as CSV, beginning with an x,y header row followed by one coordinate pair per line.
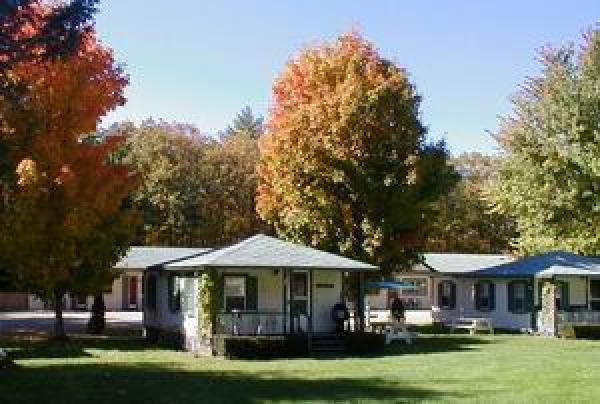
x,y
64,189
345,164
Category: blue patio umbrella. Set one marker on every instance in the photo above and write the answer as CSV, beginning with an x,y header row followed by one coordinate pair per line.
x,y
388,285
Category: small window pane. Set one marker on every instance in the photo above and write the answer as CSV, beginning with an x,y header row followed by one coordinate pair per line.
x,y
299,284
235,293
419,288
235,286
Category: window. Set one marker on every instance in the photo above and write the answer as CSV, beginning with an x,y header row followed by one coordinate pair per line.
x,y
447,295
151,292
235,293
485,296
174,294
299,285
419,287
519,297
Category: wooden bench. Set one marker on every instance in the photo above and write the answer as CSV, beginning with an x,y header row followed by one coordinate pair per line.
x,y
472,324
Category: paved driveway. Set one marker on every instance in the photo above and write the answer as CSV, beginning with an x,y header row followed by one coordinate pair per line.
x,y
75,322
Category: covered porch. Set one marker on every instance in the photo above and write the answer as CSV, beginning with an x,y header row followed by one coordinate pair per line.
x,y
270,287
569,295
277,302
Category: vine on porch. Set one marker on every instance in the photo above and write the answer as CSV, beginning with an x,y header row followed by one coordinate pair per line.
x,y
207,296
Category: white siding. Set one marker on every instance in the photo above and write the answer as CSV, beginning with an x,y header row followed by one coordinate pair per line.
x,y
465,305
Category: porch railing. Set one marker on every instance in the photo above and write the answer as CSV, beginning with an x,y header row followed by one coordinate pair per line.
x,y
251,323
579,317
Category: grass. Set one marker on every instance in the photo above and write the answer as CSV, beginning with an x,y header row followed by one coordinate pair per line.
x,y
442,368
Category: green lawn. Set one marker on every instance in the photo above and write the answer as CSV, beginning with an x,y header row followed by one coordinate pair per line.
x,y
436,369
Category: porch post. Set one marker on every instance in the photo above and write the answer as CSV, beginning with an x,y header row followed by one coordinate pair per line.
x,y
360,304
310,309
587,293
284,298
549,312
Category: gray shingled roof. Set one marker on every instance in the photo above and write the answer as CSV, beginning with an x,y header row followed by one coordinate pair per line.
x,y
545,266
452,263
262,251
140,258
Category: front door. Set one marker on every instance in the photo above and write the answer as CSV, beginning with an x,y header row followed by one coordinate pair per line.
x,y
299,302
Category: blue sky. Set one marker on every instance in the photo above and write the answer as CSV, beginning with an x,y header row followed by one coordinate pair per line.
x,y
202,61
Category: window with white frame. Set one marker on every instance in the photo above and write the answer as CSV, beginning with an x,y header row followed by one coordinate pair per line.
x,y
234,292
419,287
416,296
517,297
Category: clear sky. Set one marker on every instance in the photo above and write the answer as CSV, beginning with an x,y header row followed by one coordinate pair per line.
x,y
202,61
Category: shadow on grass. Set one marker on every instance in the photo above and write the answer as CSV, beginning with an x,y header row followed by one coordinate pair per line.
x,y
149,382
43,348
422,345
438,344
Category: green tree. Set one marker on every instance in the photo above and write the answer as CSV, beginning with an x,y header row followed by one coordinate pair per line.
x,y
231,188
550,179
463,220
345,165
98,254
195,190
246,122
169,160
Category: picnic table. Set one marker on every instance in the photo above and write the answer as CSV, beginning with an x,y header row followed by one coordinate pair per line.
x,y
394,330
473,324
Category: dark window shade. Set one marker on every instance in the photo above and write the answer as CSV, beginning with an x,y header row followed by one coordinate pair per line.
x,y
595,288
251,293
520,297
485,296
447,295
151,292
174,294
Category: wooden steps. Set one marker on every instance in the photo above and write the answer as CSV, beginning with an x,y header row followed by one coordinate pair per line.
x,y
328,343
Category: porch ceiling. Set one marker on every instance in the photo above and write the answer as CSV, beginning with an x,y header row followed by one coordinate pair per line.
x,y
264,252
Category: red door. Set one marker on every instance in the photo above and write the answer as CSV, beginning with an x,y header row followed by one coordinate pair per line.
x,y
133,287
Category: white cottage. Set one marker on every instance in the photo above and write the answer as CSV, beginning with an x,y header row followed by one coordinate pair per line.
x,y
502,288
266,286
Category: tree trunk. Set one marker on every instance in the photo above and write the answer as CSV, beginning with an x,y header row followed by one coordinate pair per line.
x,y
97,321
59,325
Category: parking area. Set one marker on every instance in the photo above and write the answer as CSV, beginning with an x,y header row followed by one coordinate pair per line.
x,y
42,322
